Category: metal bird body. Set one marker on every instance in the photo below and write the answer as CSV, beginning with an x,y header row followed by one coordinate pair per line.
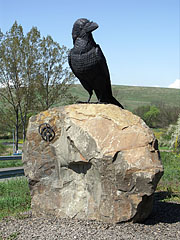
x,y
88,63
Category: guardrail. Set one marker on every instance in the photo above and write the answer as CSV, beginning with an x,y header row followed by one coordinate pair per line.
x,y
13,171
14,157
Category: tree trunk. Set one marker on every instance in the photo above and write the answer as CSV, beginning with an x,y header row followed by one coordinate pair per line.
x,y
24,132
17,131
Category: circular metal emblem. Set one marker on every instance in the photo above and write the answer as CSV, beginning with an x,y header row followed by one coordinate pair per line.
x,y
46,132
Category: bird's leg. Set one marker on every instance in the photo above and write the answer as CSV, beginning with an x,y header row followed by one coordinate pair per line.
x,y
101,102
90,95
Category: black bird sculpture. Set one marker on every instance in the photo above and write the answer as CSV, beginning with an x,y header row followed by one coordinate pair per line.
x,y
88,63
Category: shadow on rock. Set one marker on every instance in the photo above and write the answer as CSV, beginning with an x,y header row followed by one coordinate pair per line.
x,y
163,212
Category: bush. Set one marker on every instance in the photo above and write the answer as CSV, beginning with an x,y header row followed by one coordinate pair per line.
x,y
158,115
170,180
171,138
7,136
152,116
2,148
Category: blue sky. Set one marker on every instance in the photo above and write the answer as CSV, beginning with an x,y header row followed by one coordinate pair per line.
x,y
140,38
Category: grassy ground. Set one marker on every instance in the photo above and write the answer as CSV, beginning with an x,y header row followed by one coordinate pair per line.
x,y
170,182
10,163
6,150
132,97
2,148
6,147
14,197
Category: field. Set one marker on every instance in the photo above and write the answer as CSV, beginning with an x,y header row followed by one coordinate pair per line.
x,y
14,197
169,183
6,146
10,163
132,97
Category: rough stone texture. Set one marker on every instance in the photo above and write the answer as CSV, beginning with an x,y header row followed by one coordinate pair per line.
x,y
103,164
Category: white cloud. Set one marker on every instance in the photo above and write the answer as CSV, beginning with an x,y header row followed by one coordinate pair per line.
x,y
175,84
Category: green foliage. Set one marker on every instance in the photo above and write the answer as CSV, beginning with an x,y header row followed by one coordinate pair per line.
x,y
175,141
159,115
14,196
2,149
151,117
13,236
33,74
171,163
142,110
5,150
54,79
171,138
165,139
159,132
150,114
171,178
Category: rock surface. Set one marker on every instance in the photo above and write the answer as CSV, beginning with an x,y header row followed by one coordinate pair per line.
x,y
103,164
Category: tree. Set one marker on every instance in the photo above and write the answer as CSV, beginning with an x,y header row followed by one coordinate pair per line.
x,y
140,111
158,115
151,117
11,71
168,114
55,78
7,119
32,73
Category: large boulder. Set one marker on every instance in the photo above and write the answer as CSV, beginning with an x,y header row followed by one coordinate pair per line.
x,y
102,164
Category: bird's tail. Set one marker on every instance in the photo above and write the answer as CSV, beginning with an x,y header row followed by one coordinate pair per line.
x,y
115,102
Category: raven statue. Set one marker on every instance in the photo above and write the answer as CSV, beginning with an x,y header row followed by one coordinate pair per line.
x,y
88,63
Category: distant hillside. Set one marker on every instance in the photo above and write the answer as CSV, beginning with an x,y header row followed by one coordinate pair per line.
x,y
132,96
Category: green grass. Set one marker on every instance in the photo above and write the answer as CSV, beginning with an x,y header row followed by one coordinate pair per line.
x,y
6,140
170,182
158,132
12,236
164,148
132,97
10,163
14,197
2,149
6,150
171,162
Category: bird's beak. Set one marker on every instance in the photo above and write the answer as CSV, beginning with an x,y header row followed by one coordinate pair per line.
x,y
91,26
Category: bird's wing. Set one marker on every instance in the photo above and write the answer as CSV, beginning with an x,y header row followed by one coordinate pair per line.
x,y
70,55
103,66
102,62
81,77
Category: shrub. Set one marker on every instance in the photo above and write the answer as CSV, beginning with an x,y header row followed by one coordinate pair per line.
x,y
171,138
2,148
158,115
